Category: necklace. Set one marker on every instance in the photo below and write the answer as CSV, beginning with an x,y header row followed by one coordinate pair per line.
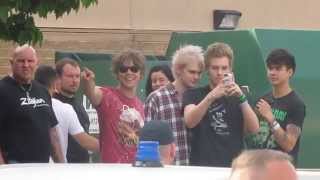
x,y
26,88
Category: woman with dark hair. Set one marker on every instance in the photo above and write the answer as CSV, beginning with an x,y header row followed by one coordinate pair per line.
x,y
158,76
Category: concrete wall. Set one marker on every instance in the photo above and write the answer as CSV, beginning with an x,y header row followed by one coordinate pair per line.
x,y
91,40
195,15
147,24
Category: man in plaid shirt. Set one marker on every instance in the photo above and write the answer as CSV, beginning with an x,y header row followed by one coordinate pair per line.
x,y
166,103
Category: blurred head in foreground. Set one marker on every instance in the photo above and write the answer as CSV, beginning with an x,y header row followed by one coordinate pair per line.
x,y
263,165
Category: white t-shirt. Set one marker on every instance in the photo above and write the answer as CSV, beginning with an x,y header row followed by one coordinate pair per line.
x,y
68,123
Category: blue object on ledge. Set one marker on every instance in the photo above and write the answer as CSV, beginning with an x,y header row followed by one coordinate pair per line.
x,y
148,154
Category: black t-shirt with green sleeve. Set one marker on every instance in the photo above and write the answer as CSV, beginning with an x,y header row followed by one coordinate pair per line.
x,y
289,109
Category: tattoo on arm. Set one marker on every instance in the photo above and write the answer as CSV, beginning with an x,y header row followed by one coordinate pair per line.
x,y
289,137
284,137
293,130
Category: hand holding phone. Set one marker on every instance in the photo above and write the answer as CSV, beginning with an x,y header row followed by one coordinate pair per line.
x,y
228,79
232,89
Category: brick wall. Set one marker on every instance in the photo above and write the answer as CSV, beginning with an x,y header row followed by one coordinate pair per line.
x,y
150,42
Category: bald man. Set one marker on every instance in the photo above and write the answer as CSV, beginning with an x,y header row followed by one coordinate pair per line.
x,y
27,121
263,165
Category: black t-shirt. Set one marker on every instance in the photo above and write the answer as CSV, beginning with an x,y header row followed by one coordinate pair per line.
x,y
75,153
289,109
26,117
217,139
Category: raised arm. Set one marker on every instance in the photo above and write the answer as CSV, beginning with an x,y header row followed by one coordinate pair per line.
x,y
250,119
193,113
251,122
286,138
89,86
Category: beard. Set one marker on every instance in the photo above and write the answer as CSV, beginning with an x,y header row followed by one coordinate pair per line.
x,y
69,92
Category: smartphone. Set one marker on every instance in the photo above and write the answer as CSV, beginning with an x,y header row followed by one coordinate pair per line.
x,y
228,78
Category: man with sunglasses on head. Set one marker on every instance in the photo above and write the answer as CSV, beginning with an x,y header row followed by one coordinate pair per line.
x,y
166,103
120,111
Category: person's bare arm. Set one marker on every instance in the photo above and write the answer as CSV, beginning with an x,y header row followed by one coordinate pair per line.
x,y
194,113
1,158
286,138
250,119
86,141
57,154
93,92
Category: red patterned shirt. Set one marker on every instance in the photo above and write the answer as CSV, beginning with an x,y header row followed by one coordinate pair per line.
x,y
165,105
115,145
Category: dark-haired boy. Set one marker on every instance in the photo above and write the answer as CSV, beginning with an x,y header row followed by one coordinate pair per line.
x,y
282,110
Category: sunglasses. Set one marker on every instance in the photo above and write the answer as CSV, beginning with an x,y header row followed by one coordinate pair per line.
x,y
124,69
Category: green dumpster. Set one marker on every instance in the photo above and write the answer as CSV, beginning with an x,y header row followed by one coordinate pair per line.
x,y
251,48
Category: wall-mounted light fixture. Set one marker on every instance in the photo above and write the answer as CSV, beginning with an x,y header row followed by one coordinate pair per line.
x,y
225,19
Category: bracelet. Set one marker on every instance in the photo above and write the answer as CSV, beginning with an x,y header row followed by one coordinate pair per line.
x,y
242,98
275,126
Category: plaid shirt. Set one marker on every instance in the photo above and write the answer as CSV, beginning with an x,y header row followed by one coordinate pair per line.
x,y
165,105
